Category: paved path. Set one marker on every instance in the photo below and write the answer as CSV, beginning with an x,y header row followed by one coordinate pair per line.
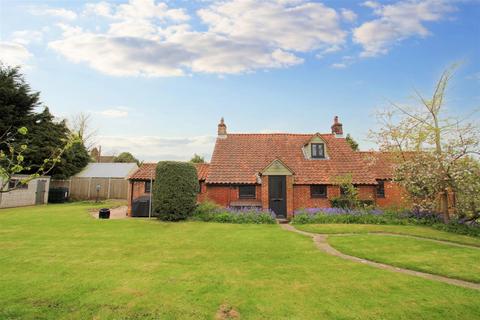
x,y
320,241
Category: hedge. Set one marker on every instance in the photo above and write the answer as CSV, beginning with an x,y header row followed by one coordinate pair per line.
x,y
175,190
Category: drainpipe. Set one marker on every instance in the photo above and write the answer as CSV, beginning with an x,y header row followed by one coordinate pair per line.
x,y
150,202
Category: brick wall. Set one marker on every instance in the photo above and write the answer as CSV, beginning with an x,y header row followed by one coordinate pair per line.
x,y
394,196
136,189
223,195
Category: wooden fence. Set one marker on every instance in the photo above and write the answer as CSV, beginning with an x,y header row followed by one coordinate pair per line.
x,y
86,188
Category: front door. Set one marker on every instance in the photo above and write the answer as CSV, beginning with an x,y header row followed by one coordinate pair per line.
x,y
277,195
40,194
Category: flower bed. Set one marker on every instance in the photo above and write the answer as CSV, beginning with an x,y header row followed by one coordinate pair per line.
x,y
210,212
362,216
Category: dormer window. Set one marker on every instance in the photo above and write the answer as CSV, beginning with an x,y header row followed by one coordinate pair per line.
x,y
318,150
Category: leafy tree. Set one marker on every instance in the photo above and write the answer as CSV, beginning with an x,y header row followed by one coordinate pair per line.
x,y
432,149
349,193
175,190
47,138
197,159
17,101
353,144
81,125
126,157
12,161
74,158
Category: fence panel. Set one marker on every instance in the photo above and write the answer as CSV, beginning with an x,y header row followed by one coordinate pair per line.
x,y
86,188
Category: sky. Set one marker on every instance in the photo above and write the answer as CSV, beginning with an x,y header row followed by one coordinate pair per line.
x,y
157,76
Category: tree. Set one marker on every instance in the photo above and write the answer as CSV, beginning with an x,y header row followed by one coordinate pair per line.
x,y
349,194
74,158
47,137
126,157
81,124
175,190
17,101
353,144
431,147
197,159
12,161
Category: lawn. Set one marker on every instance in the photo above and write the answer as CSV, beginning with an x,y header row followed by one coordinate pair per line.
x,y
56,262
414,254
417,231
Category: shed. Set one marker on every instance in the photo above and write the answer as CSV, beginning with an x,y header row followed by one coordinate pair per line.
x,y
33,193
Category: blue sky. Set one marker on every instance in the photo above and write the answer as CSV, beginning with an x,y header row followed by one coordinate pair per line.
x,y
157,76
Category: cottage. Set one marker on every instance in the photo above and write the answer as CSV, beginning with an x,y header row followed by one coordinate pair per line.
x,y
285,172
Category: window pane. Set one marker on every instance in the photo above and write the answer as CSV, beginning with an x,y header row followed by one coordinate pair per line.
x,y
246,192
318,150
381,189
318,191
148,187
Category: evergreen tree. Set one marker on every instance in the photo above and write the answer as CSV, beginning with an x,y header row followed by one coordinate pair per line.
x,y
353,144
197,159
126,157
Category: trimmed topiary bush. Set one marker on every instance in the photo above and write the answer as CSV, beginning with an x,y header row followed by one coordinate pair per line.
x,y
175,190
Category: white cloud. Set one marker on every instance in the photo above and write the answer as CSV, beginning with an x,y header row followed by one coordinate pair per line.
x,y
14,54
397,22
348,15
118,112
339,65
150,39
153,148
25,37
302,26
60,13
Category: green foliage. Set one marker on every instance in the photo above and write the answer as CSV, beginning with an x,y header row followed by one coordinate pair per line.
x,y
349,198
44,145
342,202
362,218
353,144
17,101
74,159
197,159
175,190
126,157
211,212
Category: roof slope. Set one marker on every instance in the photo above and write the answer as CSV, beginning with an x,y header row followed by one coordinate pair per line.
x,y
239,157
147,171
107,170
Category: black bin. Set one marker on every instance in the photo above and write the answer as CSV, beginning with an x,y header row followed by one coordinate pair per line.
x,y
104,213
58,195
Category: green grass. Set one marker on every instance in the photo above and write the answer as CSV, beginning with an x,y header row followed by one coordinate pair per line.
x,y
415,254
417,231
56,262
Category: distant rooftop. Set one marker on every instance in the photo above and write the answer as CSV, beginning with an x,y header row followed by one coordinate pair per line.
x,y
107,170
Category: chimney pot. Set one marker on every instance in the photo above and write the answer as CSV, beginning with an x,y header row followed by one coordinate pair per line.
x,y
337,128
222,129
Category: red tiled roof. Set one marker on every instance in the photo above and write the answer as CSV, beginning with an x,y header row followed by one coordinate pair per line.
x,y
147,171
239,157
381,164
202,170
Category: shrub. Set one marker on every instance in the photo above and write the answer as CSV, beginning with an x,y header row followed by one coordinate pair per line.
x,y
342,215
175,190
210,212
342,202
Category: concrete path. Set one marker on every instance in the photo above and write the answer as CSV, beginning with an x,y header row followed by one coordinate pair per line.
x,y
320,241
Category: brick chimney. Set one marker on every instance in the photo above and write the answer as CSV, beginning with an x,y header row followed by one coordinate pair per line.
x,y
337,128
222,129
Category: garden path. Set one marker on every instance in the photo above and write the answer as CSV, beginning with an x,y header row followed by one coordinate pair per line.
x,y
320,241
